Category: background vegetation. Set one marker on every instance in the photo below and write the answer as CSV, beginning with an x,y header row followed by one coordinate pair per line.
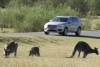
x,y
31,15
53,51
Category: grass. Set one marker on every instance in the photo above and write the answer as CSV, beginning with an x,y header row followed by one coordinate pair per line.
x,y
7,30
53,51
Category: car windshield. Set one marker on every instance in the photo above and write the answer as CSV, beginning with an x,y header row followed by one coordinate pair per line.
x,y
60,19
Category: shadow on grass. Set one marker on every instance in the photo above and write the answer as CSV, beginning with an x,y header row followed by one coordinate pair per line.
x,y
82,36
67,57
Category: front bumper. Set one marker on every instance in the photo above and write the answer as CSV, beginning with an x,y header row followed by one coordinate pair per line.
x,y
58,30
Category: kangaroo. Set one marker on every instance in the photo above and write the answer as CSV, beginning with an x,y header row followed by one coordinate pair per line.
x,y
83,46
10,47
34,51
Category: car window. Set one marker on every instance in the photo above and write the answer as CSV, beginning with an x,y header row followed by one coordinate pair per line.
x,y
70,19
60,19
75,19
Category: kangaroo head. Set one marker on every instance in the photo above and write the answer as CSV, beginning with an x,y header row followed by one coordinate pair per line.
x,y
96,50
6,52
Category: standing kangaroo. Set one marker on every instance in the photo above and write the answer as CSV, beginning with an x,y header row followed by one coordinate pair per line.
x,y
83,46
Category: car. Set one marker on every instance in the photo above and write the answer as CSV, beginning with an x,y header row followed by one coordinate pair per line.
x,y
63,25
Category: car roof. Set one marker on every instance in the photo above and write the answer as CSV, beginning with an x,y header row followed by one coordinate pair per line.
x,y
65,16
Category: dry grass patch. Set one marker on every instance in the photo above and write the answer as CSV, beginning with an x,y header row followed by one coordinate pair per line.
x,y
53,52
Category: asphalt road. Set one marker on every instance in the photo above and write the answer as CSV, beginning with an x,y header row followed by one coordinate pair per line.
x,y
83,34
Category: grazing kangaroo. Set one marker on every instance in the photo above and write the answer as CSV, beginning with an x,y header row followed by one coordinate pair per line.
x,y
34,51
83,46
10,47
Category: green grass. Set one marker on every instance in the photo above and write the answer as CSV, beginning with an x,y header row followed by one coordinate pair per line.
x,y
53,51
7,30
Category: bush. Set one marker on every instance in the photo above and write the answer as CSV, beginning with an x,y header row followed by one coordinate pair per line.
x,y
31,19
86,24
97,26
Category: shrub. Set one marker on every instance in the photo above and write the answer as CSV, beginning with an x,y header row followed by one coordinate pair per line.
x,y
31,19
86,24
97,26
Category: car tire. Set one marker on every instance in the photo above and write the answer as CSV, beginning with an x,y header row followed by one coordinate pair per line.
x,y
46,33
78,32
65,32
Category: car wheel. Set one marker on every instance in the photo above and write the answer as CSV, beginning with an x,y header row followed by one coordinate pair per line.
x,y
65,32
78,32
46,33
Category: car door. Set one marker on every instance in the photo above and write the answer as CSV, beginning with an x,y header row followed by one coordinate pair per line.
x,y
75,23
70,24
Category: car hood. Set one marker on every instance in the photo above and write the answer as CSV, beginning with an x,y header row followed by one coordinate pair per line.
x,y
55,23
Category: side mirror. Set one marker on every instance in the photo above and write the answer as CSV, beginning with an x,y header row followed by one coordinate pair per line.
x,y
69,22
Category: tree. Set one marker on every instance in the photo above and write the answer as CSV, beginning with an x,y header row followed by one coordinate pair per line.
x,y
94,6
3,3
55,3
79,5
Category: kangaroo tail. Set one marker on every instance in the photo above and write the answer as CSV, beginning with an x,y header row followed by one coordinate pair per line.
x,y
75,49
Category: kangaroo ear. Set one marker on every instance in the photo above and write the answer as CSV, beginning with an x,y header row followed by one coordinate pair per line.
x,y
95,48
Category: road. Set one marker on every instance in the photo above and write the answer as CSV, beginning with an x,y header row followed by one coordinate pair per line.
x,y
83,33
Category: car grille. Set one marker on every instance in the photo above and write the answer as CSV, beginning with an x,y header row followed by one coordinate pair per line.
x,y
59,29
51,27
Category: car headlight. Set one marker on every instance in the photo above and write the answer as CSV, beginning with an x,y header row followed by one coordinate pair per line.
x,y
60,25
45,26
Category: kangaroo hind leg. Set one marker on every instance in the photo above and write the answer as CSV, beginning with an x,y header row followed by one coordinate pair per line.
x,y
79,54
85,54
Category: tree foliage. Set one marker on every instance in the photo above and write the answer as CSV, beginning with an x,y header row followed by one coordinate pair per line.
x,y
3,3
83,6
31,15
94,6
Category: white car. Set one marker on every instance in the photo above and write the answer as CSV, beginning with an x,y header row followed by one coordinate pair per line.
x,y
63,25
